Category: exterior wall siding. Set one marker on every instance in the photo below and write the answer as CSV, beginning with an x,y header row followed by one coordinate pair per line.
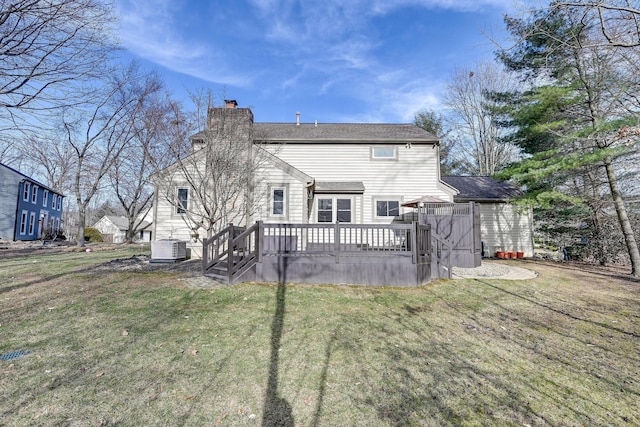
x,y
10,182
506,227
39,205
412,174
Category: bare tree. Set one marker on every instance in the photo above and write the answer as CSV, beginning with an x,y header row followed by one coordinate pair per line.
x,y
617,20
475,116
214,184
149,148
46,46
433,122
51,159
48,51
99,135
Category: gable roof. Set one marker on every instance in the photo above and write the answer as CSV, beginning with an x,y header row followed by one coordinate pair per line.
x,y
482,189
123,224
28,178
325,132
338,132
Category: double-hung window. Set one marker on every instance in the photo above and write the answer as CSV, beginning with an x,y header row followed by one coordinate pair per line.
x,y
183,200
45,198
59,203
26,191
330,208
32,222
54,201
386,208
34,193
23,222
278,201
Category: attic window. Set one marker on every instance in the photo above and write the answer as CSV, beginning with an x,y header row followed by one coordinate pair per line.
x,y
387,153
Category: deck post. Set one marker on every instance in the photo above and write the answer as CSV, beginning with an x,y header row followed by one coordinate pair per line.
x,y
230,254
205,255
414,242
336,241
259,239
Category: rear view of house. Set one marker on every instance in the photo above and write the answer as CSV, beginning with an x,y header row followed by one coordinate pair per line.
x,y
29,210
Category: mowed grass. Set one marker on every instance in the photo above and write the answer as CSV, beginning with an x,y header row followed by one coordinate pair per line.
x,y
134,348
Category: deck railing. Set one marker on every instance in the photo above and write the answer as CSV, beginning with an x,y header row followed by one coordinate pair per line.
x,y
233,251
310,239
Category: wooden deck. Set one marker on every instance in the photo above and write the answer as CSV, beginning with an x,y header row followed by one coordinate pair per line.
x,y
389,254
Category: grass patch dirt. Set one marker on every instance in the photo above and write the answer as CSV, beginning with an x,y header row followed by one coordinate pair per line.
x,y
114,347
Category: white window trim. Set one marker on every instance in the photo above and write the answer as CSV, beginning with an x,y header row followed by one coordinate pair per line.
x,y
285,200
178,206
32,223
45,198
59,203
26,191
34,194
385,199
334,207
388,158
24,215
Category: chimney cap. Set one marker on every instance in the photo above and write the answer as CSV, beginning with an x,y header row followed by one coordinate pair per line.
x,y
230,103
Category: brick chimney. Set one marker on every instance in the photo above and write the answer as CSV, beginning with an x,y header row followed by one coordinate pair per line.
x,y
230,103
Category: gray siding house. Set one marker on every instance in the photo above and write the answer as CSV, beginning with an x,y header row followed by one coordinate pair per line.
x,y
503,225
29,210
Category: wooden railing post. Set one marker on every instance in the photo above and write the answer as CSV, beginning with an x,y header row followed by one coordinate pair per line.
x,y
259,240
336,241
230,254
414,242
205,255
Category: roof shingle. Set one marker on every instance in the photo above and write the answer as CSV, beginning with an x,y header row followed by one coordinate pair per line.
x,y
481,188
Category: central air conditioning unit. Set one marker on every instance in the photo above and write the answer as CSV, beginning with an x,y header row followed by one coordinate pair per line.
x,y
168,250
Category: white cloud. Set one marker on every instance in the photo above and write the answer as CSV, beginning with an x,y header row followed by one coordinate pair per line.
x,y
148,30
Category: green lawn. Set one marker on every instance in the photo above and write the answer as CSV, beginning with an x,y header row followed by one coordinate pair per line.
x,y
134,348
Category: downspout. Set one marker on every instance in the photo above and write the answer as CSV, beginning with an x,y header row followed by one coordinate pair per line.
x,y
307,207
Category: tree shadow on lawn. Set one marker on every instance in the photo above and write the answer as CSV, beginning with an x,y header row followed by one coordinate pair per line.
x,y
449,380
277,411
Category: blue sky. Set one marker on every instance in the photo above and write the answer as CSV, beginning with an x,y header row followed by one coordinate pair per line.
x,y
332,60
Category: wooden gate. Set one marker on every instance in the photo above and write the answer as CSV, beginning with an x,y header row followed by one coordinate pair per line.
x,y
458,223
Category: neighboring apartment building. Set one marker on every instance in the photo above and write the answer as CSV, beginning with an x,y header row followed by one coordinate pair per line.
x,y
314,173
29,210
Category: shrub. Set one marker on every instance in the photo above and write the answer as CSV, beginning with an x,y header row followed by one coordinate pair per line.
x,y
92,235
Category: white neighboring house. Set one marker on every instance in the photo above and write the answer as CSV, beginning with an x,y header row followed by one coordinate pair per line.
x,y
316,173
503,225
114,229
